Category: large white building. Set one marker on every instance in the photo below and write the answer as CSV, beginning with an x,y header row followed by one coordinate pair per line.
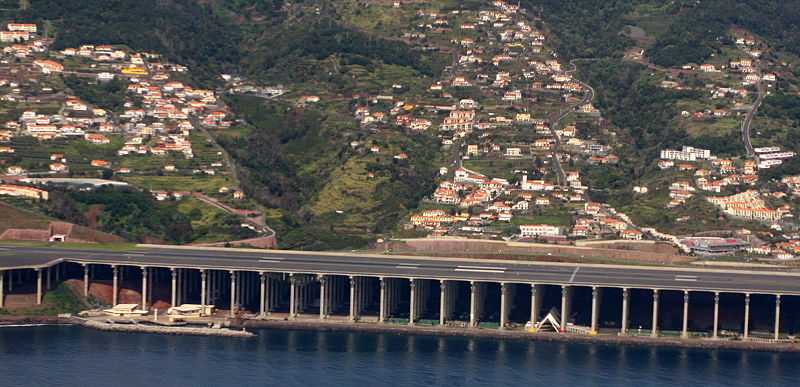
x,y
535,230
687,153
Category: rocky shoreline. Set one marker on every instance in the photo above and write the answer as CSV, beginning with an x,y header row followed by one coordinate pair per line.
x,y
6,320
164,329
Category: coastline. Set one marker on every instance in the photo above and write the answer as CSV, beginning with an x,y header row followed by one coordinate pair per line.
x,y
515,335
15,321
342,326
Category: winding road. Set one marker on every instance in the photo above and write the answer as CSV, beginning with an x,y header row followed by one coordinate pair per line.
x,y
588,97
748,121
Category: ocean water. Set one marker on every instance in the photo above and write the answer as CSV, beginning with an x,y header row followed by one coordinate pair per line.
x,y
74,356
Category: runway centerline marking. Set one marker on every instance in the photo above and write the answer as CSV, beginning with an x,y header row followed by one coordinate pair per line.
x,y
480,269
686,278
277,260
406,266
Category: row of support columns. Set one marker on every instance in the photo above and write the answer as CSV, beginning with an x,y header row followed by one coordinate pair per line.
x,y
361,293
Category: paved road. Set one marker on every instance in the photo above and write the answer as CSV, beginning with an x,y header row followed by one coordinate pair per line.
x,y
259,222
588,97
418,267
748,121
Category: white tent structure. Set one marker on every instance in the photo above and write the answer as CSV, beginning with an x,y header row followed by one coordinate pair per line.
x,y
552,321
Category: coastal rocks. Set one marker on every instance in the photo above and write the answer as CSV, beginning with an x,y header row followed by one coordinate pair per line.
x,y
164,329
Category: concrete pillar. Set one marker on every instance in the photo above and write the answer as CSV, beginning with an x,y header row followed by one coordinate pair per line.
x,y
412,313
625,295
262,292
777,316
534,304
233,294
746,315
2,287
473,304
352,314
292,296
174,298
203,295
86,280
685,330
145,272
716,315
393,298
386,297
654,326
115,285
593,329
382,306
564,306
503,305
39,286
442,301
322,303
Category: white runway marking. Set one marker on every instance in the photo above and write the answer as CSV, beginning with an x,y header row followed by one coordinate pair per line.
x,y
270,260
686,278
406,266
574,272
481,269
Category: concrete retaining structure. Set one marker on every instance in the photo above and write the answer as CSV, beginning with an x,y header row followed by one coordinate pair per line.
x,y
458,246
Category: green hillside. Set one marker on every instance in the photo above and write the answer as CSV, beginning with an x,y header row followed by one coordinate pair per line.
x,y
310,163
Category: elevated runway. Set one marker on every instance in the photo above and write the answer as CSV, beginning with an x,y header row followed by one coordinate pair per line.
x,y
463,269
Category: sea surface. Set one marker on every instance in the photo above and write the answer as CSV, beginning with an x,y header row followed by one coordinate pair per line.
x,y
74,356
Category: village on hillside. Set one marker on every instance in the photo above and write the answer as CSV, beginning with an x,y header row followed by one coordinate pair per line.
x,y
516,126
522,126
153,135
